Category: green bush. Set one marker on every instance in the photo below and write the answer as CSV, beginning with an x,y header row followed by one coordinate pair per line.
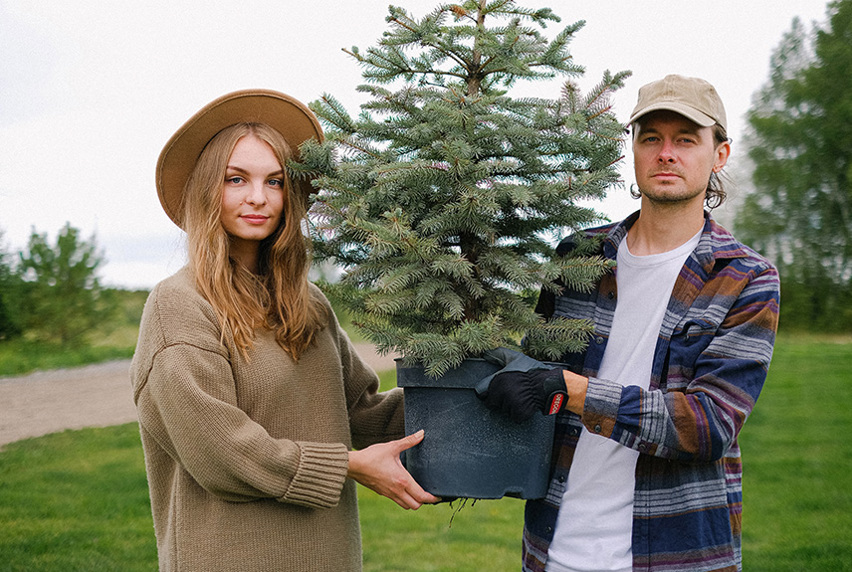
x,y
115,339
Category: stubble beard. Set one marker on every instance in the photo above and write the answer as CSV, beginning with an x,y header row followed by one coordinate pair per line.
x,y
663,197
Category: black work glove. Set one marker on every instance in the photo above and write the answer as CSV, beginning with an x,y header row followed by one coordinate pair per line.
x,y
522,387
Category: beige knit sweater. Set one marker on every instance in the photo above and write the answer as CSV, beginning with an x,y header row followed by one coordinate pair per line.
x,y
247,459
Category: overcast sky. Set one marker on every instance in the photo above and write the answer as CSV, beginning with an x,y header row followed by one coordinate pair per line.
x,y
90,90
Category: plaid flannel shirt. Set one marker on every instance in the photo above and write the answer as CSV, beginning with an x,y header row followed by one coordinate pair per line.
x,y
710,363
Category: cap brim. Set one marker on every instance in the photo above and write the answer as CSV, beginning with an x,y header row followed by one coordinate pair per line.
x,y
288,116
690,113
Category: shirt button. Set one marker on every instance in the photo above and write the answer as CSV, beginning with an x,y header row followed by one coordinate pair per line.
x,y
561,478
643,447
599,340
610,295
597,428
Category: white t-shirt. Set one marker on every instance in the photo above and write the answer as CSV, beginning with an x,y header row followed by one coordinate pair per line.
x,y
595,523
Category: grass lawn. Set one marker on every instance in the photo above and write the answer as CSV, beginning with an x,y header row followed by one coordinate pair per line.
x,y
78,500
797,461
19,357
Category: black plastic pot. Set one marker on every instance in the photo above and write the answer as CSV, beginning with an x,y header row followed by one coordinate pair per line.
x,y
470,451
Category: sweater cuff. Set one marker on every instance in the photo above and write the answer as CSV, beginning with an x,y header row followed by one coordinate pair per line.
x,y
319,479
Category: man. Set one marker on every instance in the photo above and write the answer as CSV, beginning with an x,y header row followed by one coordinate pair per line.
x,y
647,471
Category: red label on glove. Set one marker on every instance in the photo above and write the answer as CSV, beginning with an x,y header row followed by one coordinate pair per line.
x,y
556,404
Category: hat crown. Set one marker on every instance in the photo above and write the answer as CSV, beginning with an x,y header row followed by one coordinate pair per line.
x,y
694,98
290,117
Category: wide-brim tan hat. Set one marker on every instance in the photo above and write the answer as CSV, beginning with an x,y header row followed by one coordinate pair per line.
x,y
692,97
287,115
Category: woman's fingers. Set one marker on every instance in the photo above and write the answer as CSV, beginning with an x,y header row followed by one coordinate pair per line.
x,y
379,468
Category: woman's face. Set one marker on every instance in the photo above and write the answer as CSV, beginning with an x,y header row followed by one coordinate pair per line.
x,y
252,197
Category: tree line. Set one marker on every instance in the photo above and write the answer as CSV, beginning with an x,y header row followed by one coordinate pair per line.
x,y
799,140
50,292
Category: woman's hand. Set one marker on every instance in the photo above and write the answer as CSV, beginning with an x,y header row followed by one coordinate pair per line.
x,y
379,468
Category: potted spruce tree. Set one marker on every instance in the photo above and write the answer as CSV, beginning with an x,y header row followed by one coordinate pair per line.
x,y
443,201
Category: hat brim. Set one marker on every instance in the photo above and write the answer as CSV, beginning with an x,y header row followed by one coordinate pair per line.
x,y
288,116
690,113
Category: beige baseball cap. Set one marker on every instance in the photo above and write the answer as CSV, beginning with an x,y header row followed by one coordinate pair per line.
x,y
692,97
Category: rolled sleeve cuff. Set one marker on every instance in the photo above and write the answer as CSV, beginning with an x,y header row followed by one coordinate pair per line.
x,y
319,479
600,410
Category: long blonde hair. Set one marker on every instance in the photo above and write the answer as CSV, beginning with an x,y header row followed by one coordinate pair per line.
x,y
277,297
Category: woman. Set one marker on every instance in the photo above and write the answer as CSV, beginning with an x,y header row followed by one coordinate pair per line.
x,y
249,394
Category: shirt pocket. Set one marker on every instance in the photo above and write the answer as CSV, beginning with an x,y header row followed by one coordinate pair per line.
x,y
688,341
695,331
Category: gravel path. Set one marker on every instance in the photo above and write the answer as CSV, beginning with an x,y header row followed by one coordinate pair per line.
x,y
91,396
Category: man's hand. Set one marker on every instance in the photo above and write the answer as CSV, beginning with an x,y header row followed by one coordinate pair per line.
x,y
522,386
519,394
379,468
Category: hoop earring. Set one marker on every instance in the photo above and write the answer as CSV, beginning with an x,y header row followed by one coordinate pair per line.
x,y
634,191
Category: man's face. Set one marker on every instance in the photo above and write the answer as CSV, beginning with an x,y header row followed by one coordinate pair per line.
x,y
674,157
